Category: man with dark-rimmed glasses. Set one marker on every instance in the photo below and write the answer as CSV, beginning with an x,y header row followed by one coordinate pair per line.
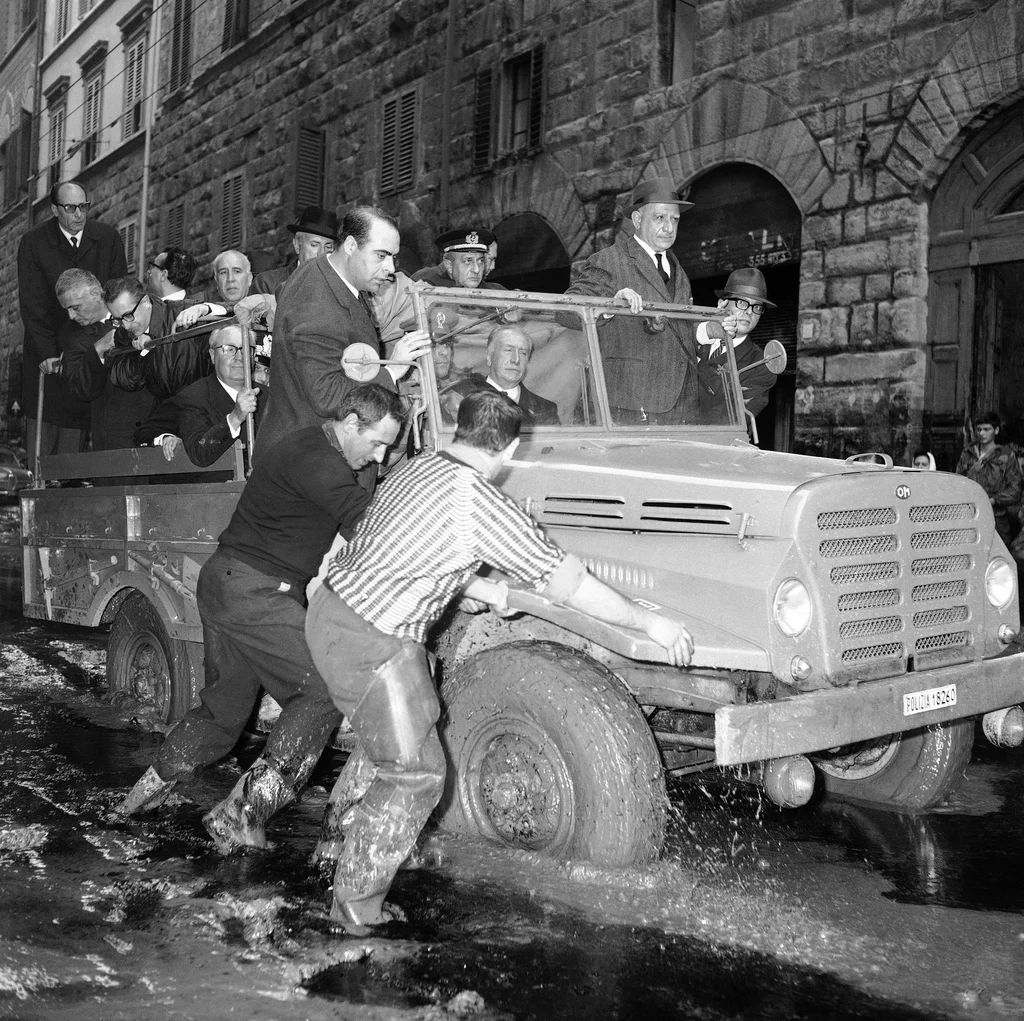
x,y
69,240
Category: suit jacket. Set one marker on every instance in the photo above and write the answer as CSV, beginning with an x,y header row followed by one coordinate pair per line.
x,y
536,409
755,383
115,412
317,318
272,281
653,372
198,414
43,254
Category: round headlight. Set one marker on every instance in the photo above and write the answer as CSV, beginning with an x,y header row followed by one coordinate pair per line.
x,y
1000,582
792,607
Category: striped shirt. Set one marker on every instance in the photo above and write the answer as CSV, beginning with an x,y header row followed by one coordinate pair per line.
x,y
429,528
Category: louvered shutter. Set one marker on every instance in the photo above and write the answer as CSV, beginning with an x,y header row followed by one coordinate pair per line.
x,y
174,232
134,83
482,119
181,45
536,133
231,222
389,142
405,169
310,155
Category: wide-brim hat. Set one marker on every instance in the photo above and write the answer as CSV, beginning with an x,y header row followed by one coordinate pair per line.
x,y
659,189
465,239
314,220
746,283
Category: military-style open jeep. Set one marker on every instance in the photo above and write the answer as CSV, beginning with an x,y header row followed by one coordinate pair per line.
x,y
851,620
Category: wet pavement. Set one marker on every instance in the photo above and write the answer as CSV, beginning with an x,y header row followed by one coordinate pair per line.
x,y
832,911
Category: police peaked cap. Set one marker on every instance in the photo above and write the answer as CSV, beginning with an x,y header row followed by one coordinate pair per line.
x,y
465,239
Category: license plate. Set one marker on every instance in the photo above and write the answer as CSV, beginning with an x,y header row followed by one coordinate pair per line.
x,y
932,698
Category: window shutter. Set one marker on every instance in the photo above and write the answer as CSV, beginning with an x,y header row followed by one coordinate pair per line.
x,y
231,216
63,18
181,45
236,23
91,118
27,150
389,142
58,115
134,83
129,238
536,98
309,167
174,232
482,119
10,157
405,170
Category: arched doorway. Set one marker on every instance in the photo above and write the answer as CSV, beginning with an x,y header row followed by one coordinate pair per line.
x,y
742,216
531,256
976,289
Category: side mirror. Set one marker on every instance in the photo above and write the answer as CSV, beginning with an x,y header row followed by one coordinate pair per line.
x,y
774,357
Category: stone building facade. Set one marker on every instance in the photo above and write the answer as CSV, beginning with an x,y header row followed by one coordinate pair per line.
x,y
862,152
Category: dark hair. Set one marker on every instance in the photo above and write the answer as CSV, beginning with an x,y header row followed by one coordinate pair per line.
x,y
371,402
358,222
180,266
989,418
919,453
55,191
488,420
74,278
113,289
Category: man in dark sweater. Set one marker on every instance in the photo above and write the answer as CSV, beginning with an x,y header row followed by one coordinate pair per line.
x,y
252,602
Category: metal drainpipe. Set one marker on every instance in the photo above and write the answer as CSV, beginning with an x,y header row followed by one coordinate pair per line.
x,y
446,116
149,102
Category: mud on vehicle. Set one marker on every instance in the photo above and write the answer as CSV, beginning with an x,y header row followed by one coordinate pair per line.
x,y
851,620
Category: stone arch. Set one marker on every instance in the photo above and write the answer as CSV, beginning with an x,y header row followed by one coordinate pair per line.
x,y
980,72
539,186
738,122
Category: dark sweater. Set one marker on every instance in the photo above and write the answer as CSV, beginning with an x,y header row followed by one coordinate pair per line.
x,y
301,492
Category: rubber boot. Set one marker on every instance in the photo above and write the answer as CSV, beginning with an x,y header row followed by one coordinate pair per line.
x,y
149,793
239,819
352,784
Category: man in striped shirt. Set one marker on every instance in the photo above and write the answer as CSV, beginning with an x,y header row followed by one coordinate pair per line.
x,y
434,523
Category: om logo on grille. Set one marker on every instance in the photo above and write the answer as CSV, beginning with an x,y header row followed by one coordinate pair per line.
x,y
903,492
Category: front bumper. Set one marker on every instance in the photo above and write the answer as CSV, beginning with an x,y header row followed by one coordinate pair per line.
x,y
838,716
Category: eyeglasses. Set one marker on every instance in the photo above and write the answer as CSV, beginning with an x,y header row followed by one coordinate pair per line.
x,y
233,348
72,208
742,304
154,265
128,317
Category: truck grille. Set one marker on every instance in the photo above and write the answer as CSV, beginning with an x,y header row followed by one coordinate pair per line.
x,y
896,609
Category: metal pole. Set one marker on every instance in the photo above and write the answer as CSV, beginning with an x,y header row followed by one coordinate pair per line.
x,y
39,423
250,429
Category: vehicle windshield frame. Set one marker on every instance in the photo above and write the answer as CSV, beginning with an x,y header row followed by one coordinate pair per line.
x,y
592,312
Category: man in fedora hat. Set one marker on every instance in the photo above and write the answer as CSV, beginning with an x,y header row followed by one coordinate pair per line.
x,y
744,297
651,376
316,233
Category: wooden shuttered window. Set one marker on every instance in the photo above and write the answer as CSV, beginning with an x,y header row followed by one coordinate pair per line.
x,y
92,118
483,115
232,223
134,86
524,84
398,143
174,226
236,23
181,46
129,231
16,156
58,122
63,21
310,165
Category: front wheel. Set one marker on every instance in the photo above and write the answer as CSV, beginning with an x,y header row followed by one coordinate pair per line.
x,y
908,772
548,751
144,662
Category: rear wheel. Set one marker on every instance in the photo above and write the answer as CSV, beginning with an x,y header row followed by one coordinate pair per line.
x,y
548,751
908,772
146,664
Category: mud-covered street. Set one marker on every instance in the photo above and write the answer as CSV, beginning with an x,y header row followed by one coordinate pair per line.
x,y
832,911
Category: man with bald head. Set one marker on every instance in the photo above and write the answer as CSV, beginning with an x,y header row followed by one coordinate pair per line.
x,y
70,240
208,415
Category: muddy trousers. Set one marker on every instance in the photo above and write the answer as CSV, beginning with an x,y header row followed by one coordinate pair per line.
x,y
383,685
254,637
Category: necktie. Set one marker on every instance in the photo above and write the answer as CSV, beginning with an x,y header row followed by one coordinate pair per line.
x,y
663,268
74,242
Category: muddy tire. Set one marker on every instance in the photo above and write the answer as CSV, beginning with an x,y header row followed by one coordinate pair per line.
x,y
908,772
145,663
548,751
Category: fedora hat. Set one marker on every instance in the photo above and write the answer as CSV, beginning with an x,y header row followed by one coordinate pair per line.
x,y
314,220
746,283
659,189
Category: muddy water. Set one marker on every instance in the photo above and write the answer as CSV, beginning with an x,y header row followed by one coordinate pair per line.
x,y
833,911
